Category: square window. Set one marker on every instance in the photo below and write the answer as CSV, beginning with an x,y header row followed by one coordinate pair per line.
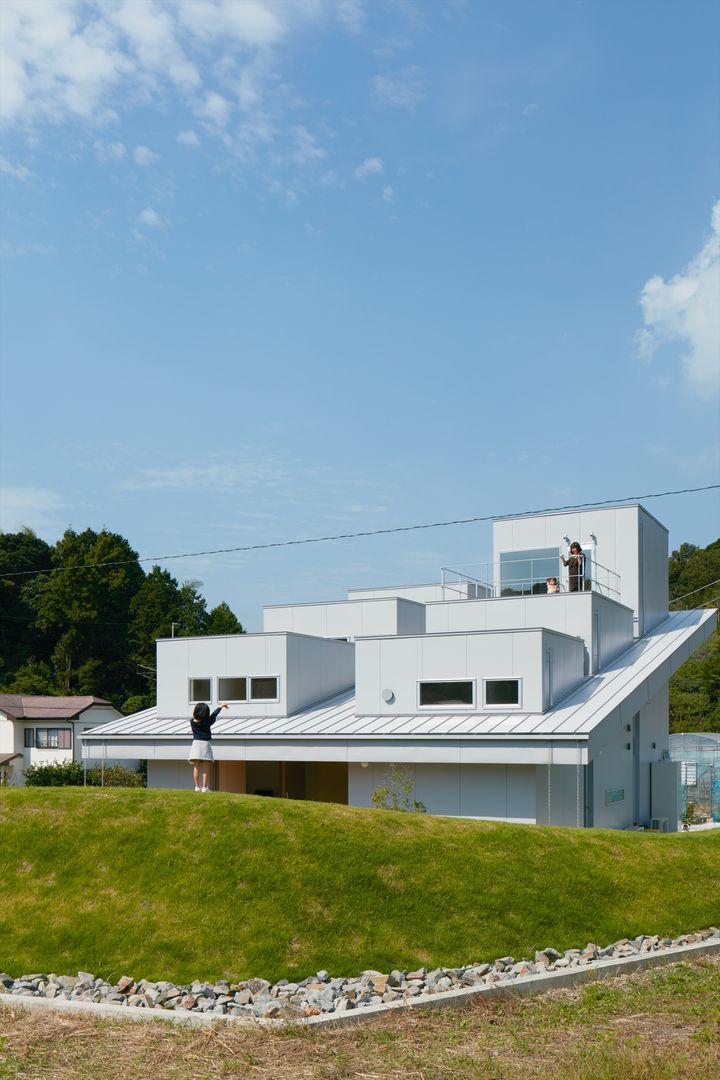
x,y
200,689
232,688
447,694
264,689
30,737
502,692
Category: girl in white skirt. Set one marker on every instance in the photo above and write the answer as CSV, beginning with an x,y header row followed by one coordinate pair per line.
x,y
201,755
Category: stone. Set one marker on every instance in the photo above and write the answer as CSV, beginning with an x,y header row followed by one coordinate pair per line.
x,y
258,986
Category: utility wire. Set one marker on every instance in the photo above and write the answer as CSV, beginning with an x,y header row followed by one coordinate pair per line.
x,y
354,535
692,593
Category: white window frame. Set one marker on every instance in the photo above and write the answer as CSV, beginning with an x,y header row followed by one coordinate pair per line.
x,y
197,678
234,701
502,678
447,708
262,701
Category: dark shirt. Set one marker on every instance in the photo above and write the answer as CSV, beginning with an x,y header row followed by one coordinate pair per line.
x,y
201,730
576,571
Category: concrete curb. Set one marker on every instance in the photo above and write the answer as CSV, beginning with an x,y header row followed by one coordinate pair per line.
x,y
521,987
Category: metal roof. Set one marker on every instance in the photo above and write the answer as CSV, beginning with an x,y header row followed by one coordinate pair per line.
x,y
641,669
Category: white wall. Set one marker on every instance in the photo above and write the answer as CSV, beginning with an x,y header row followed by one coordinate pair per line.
x,y
558,793
423,594
309,669
493,792
317,669
398,664
617,530
170,774
568,613
347,618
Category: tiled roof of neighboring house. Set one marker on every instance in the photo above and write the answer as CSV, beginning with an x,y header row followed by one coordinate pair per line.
x,y
639,672
31,707
5,759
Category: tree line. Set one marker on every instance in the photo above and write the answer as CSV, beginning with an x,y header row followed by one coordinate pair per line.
x,y
695,688
91,630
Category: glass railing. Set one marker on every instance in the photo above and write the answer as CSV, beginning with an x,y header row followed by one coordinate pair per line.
x,y
528,576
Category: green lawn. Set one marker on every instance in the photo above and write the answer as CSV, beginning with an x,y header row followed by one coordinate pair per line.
x,y
168,884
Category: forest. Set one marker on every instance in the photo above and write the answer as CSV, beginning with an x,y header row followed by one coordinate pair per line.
x,y
79,630
71,626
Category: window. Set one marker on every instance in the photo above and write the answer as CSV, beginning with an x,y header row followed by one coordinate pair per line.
x,y
232,688
53,739
29,736
264,689
200,689
523,572
447,694
500,692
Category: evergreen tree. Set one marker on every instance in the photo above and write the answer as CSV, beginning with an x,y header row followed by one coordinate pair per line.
x,y
221,620
20,639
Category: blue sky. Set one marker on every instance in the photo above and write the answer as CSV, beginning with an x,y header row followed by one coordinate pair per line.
x,y
275,270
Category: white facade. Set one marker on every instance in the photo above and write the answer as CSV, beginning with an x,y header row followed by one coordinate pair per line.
x,y
46,730
526,708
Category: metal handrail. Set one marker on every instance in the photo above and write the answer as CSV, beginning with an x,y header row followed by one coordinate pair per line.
x,y
496,579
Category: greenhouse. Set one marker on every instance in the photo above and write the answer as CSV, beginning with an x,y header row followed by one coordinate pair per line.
x,y
699,757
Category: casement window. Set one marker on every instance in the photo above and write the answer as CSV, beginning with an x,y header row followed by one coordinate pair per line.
x,y
29,737
200,689
53,739
502,693
446,695
248,688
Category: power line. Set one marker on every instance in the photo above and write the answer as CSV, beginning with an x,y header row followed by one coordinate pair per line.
x,y
356,535
693,591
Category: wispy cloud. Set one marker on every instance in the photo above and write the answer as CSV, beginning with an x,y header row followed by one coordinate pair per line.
x,y
17,172
187,138
400,89
149,219
144,156
29,507
8,250
685,309
369,167
388,194
109,151
219,476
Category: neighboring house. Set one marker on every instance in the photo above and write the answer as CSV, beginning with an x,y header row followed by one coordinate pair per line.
x,y
38,730
500,700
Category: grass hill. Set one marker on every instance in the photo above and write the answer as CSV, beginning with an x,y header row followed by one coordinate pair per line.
x,y
168,884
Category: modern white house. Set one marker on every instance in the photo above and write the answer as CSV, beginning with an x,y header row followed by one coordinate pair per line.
x,y
45,730
501,700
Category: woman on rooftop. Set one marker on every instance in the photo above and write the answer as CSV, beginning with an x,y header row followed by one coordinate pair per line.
x,y
576,563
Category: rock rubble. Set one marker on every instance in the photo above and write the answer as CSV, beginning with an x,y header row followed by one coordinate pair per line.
x,y
258,999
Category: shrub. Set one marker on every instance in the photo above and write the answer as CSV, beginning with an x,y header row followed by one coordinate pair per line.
x,y
397,793
118,776
72,774
56,774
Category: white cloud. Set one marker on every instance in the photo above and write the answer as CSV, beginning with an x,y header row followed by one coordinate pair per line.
x,y
149,219
351,15
369,167
109,151
306,148
187,138
8,250
144,156
223,476
388,195
400,89
214,109
18,172
29,507
530,108
687,309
